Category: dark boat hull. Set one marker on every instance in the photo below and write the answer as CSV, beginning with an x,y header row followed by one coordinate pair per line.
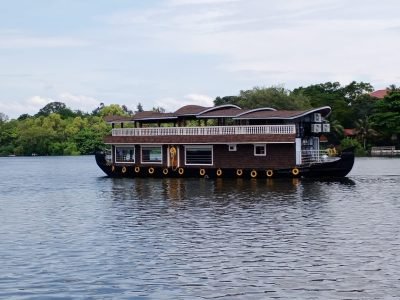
x,y
330,169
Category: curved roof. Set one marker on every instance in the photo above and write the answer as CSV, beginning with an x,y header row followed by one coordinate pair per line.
x,y
255,110
190,110
116,119
222,111
152,115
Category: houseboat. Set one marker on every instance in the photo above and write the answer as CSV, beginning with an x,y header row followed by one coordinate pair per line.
x,y
223,141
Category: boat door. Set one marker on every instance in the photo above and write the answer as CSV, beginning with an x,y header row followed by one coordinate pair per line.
x,y
173,157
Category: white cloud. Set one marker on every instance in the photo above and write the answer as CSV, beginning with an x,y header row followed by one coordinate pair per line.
x,y
81,102
38,101
172,104
12,40
202,100
198,2
33,104
27,106
173,47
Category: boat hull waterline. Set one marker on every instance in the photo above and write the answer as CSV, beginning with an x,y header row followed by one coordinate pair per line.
x,y
329,169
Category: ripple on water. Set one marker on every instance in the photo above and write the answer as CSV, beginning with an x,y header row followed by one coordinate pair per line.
x,y
68,232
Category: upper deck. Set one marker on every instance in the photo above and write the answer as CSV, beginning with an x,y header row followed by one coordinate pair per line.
x,y
234,125
206,131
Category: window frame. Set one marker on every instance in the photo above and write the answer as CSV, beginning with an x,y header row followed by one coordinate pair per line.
x,y
143,147
264,147
232,147
206,147
126,147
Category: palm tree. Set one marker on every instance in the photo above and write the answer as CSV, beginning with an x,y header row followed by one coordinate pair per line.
x,y
337,129
364,130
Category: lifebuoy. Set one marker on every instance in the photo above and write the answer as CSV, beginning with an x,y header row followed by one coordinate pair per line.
x,y
181,171
123,169
239,172
151,170
202,172
253,174
137,169
219,172
295,171
165,171
270,173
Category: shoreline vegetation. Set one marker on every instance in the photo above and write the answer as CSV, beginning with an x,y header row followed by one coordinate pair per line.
x,y
358,119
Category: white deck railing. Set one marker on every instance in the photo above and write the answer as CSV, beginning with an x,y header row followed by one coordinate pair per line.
x,y
211,130
316,157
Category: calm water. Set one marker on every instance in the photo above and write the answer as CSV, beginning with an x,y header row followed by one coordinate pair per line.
x,y
68,232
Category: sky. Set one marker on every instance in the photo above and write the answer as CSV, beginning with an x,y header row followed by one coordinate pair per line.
x,y
170,53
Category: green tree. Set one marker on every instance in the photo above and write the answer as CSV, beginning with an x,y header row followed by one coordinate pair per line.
x,y
354,90
23,117
274,97
345,101
55,107
8,135
159,109
3,118
226,100
112,109
364,131
139,107
34,138
337,131
386,116
89,138
349,142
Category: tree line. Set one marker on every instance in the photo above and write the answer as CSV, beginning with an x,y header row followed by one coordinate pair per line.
x,y
371,121
58,130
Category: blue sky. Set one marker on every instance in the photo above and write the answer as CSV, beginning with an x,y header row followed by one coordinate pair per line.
x,y
174,52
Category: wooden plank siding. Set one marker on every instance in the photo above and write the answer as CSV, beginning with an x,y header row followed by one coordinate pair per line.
x,y
277,156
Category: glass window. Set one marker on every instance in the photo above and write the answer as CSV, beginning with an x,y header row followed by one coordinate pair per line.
x,y
232,147
125,154
260,150
151,154
198,155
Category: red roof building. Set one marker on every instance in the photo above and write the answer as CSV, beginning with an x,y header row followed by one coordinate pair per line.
x,y
380,94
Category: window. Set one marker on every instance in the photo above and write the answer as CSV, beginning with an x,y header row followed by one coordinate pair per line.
x,y
125,154
198,155
260,150
232,147
152,154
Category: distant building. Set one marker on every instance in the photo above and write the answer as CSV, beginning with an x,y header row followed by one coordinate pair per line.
x,y
380,94
349,132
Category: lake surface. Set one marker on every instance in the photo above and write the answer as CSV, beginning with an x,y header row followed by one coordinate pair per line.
x,y
66,231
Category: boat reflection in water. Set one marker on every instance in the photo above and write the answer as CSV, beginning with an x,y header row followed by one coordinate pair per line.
x,y
184,192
